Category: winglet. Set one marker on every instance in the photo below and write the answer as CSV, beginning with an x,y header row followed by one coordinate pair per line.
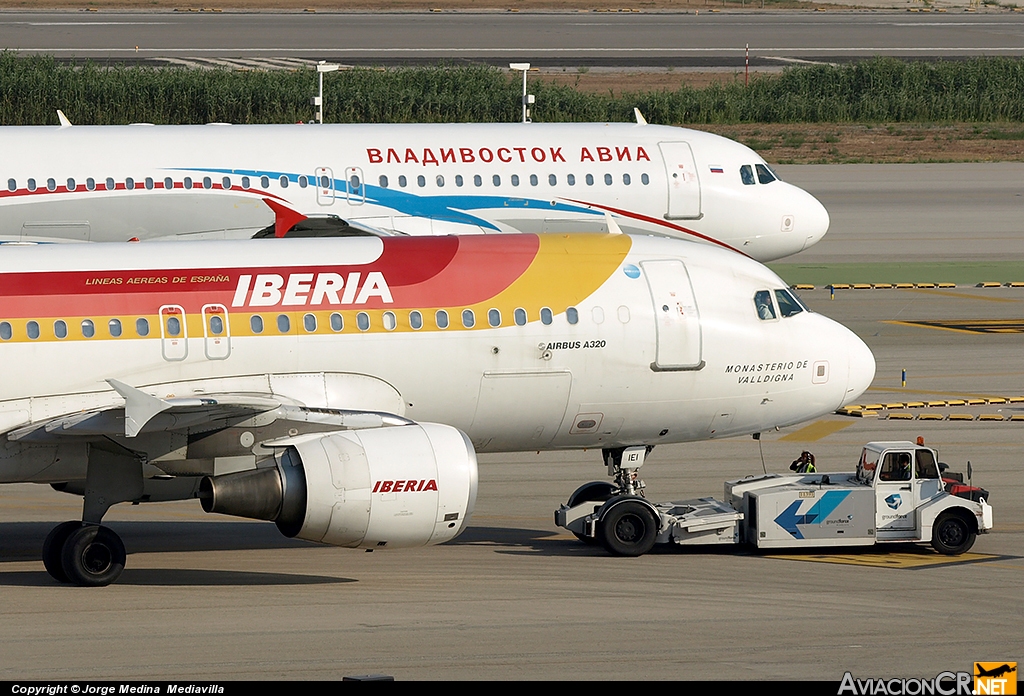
x,y
640,120
64,121
613,227
139,407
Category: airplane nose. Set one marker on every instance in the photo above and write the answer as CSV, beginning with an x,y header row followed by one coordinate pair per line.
x,y
812,219
862,369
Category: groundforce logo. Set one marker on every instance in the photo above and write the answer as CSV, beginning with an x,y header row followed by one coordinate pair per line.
x,y
945,684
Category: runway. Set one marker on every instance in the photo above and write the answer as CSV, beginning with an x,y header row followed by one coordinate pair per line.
x,y
548,39
206,597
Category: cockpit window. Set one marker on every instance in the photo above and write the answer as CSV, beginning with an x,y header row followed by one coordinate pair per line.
x,y
788,303
747,175
764,174
763,302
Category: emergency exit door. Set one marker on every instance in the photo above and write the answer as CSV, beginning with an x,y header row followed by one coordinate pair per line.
x,y
676,318
324,186
683,182
216,332
173,332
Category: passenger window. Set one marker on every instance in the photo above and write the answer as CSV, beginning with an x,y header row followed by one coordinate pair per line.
x,y
363,321
494,317
60,329
926,466
478,180
515,179
216,325
337,323
88,328
383,181
149,183
764,174
763,302
607,179
533,180
415,320
256,323
51,185
6,332
440,181
12,185
389,321
788,305
284,324
32,328
520,317
283,180
468,318
225,183
441,319
90,184
570,179
141,327
114,325
265,182
545,316
458,180
308,322
169,183
496,180
129,184
552,180
208,182
644,179
590,179
72,185
421,181
572,315
111,185
173,326
402,181
325,181
747,175
187,183
31,185
625,179
246,182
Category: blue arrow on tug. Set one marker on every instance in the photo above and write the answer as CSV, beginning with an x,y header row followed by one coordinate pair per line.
x,y
789,519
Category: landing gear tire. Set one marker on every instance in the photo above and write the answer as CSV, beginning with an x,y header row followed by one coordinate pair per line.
x,y
952,535
93,556
595,491
54,546
629,529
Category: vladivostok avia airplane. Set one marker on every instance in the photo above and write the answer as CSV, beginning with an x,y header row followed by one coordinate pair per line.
x,y
342,387
117,183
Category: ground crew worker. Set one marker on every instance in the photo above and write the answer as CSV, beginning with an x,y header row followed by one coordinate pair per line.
x,y
804,464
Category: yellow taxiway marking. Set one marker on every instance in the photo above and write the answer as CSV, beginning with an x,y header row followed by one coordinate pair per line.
x,y
889,560
816,431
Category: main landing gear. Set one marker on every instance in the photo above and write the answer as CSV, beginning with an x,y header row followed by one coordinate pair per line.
x,y
628,524
86,553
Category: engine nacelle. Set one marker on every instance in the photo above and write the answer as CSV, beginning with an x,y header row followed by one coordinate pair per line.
x,y
401,486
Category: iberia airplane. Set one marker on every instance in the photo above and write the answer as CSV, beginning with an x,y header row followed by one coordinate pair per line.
x,y
117,183
342,387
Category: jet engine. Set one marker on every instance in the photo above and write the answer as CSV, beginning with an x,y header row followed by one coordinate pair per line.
x,y
401,486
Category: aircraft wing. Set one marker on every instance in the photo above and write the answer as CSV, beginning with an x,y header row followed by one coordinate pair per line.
x,y
143,412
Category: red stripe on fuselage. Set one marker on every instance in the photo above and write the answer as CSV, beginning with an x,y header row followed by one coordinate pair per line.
x,y
419,271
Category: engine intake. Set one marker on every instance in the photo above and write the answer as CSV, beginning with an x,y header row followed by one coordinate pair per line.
x,y
403,486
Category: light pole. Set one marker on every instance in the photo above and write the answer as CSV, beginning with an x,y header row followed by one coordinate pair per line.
x,y
527,98
318,101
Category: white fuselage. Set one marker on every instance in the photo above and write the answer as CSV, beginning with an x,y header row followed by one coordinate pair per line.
x,y
609,364
116,183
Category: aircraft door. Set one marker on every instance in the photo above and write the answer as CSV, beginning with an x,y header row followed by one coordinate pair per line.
x,y
683,182
173,332
676,317
325,186
355,189
216,332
